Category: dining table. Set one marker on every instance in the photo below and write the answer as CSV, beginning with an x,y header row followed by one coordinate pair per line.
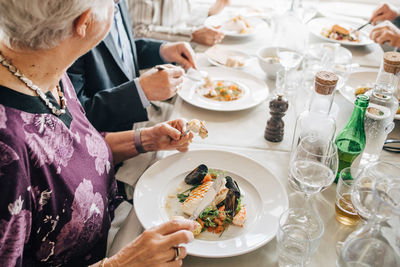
x,y
243,132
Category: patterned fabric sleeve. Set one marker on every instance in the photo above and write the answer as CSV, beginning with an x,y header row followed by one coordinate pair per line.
x,y
15,205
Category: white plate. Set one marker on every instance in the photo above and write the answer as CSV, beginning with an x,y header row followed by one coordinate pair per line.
x,y
355,10
218,55
218,21
255,90
356,80
264,196
316,26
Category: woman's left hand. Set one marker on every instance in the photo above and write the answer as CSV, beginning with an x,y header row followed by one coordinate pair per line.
x,y
386,32
167,136
179,52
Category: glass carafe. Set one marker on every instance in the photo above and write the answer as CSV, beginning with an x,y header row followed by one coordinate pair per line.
x,y
376,197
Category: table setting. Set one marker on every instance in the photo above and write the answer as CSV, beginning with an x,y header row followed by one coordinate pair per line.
x,y
300,204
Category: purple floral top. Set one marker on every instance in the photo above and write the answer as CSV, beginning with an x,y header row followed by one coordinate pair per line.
x,y
57,186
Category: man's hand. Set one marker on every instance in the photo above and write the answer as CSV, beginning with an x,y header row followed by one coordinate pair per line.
x,y
384,12
386,32
207,36
163,84
218,6
179,52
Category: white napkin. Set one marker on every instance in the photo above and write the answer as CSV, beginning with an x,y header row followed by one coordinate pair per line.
x,y
124,228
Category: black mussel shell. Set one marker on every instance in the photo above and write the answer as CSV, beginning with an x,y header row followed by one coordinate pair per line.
x,y
232,185
231,203
197,175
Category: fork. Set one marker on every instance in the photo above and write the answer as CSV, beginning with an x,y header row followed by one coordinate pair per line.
x,y
394,149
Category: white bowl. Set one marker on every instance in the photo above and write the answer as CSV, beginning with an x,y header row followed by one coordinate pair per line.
x,y
270,68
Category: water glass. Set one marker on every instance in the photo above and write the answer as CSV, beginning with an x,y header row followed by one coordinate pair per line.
x,y
298,236
294,81
345,212
376,191
313,164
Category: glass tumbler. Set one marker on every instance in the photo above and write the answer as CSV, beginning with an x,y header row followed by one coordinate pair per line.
x,y
345,212
298,237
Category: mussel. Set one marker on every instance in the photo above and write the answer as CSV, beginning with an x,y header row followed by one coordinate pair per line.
x,y
231,184
232,197
197,175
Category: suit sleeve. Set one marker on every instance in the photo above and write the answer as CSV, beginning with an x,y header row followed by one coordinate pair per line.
x,y
109,110
148,53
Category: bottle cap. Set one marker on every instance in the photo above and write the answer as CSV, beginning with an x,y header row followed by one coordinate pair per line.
x,y
391,62
325,82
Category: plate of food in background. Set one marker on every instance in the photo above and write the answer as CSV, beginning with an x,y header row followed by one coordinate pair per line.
x,y
227,58
242,217
339,31
237,26
225,89
360,83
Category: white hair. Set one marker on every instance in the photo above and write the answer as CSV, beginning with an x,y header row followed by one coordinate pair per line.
x,y
43,24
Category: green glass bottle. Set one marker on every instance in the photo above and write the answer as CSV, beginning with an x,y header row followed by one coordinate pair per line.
x,y
351,140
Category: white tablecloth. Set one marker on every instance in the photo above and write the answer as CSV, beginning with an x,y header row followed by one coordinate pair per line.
x,y
242,132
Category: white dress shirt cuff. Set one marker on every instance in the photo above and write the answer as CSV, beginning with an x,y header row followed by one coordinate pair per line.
x,y
142,95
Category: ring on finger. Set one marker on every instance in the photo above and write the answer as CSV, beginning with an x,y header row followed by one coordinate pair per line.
x,y
177,253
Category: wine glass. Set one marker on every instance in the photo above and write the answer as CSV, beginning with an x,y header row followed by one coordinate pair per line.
x,y
289,59
313,165
376,197
307,9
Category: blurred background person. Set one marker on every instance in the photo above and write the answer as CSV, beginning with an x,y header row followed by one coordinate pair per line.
x,y
176,20
386,21
107,81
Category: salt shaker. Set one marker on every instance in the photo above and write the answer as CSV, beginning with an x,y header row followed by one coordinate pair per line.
x,y
275,125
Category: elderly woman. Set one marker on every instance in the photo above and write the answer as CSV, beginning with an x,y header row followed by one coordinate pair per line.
x,y
57,187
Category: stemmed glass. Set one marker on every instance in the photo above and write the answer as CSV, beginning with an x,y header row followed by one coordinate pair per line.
x,y
289,59
290,38
376,197
313,165
313,168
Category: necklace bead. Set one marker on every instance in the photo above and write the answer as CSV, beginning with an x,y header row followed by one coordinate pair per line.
x,y
32,86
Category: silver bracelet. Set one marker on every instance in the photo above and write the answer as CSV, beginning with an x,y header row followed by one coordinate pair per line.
x,y
138,141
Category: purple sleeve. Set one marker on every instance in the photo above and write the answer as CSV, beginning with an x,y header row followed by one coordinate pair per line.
x,y
15,206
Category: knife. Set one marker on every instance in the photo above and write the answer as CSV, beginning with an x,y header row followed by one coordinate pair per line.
x,y
208,197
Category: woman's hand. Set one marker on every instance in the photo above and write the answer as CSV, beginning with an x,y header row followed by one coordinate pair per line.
x,y
156,246
179,52
384,12
207,36
386,32
166,136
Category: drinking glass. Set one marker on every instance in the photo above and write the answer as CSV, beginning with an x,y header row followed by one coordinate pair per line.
x,y
344,209
307,9
313,165
373,206
294,81
289,59
376,196
298,237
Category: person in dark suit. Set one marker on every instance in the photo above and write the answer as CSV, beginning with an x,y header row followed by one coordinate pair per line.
x,y
107,81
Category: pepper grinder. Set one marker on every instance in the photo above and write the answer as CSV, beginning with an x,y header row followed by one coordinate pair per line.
x,y
275,125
